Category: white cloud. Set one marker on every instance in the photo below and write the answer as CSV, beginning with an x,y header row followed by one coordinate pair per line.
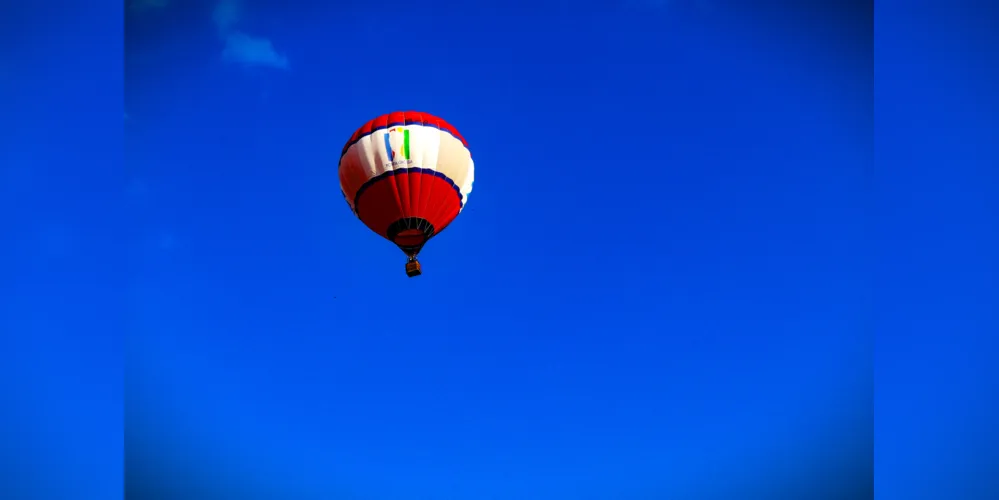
x,y
240,47
252,51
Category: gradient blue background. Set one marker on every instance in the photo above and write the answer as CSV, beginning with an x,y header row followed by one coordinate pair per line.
x,y
653,285
679,199
938,343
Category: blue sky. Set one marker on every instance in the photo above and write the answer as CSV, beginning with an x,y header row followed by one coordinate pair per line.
x,y
662,284
654,281
936,179
714,341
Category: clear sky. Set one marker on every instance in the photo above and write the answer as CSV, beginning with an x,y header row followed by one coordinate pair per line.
x,y
660,285
653,283
667,282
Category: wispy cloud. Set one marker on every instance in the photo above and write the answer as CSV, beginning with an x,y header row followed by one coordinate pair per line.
x,y
240,47
252,51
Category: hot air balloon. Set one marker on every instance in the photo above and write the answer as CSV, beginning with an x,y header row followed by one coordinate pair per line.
x,y
407,176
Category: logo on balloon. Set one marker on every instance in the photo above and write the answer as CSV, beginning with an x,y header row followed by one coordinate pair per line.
x,y
394,153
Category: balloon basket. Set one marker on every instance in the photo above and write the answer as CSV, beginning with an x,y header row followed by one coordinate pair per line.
x,y
413,269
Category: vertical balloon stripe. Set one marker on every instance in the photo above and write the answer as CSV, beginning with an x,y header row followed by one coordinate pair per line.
x,y
388,145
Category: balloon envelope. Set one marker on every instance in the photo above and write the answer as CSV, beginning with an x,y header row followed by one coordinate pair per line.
x,y
406,175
